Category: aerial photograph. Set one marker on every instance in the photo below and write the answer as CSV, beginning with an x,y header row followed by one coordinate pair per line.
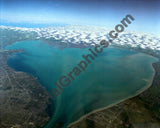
x,y
79,63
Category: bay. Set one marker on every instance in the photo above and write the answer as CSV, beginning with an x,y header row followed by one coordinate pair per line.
x,y
114,75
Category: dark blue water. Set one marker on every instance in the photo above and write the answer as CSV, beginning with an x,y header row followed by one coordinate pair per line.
x,y
114,75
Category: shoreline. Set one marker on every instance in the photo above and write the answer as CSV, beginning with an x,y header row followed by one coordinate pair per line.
x,y
138,92
118,102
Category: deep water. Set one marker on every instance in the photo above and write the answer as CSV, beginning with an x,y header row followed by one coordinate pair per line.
x,y
114,75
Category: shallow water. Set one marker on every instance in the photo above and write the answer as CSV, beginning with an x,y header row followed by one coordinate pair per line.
x,y
114,75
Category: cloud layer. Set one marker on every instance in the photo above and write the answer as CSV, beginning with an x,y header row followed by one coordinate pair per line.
x,y
90,36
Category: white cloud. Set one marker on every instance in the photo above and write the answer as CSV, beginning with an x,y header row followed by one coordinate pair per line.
x,y
92,35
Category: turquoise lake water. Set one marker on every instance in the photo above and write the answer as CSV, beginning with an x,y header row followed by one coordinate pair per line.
x,y
114,75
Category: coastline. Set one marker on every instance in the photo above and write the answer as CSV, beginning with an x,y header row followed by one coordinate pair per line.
x,y
131,96
25,95
118,102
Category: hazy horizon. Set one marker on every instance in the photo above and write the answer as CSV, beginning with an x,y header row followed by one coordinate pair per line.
x,y
83,12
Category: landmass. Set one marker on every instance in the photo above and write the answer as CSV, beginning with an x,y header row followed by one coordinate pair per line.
x,y
23,101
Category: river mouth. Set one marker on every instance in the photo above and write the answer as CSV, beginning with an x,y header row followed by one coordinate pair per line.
x,y
113,76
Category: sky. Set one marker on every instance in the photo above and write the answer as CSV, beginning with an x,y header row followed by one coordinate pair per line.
x,y
82,12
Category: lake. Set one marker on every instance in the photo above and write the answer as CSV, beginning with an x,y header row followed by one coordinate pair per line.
x,y
114,75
